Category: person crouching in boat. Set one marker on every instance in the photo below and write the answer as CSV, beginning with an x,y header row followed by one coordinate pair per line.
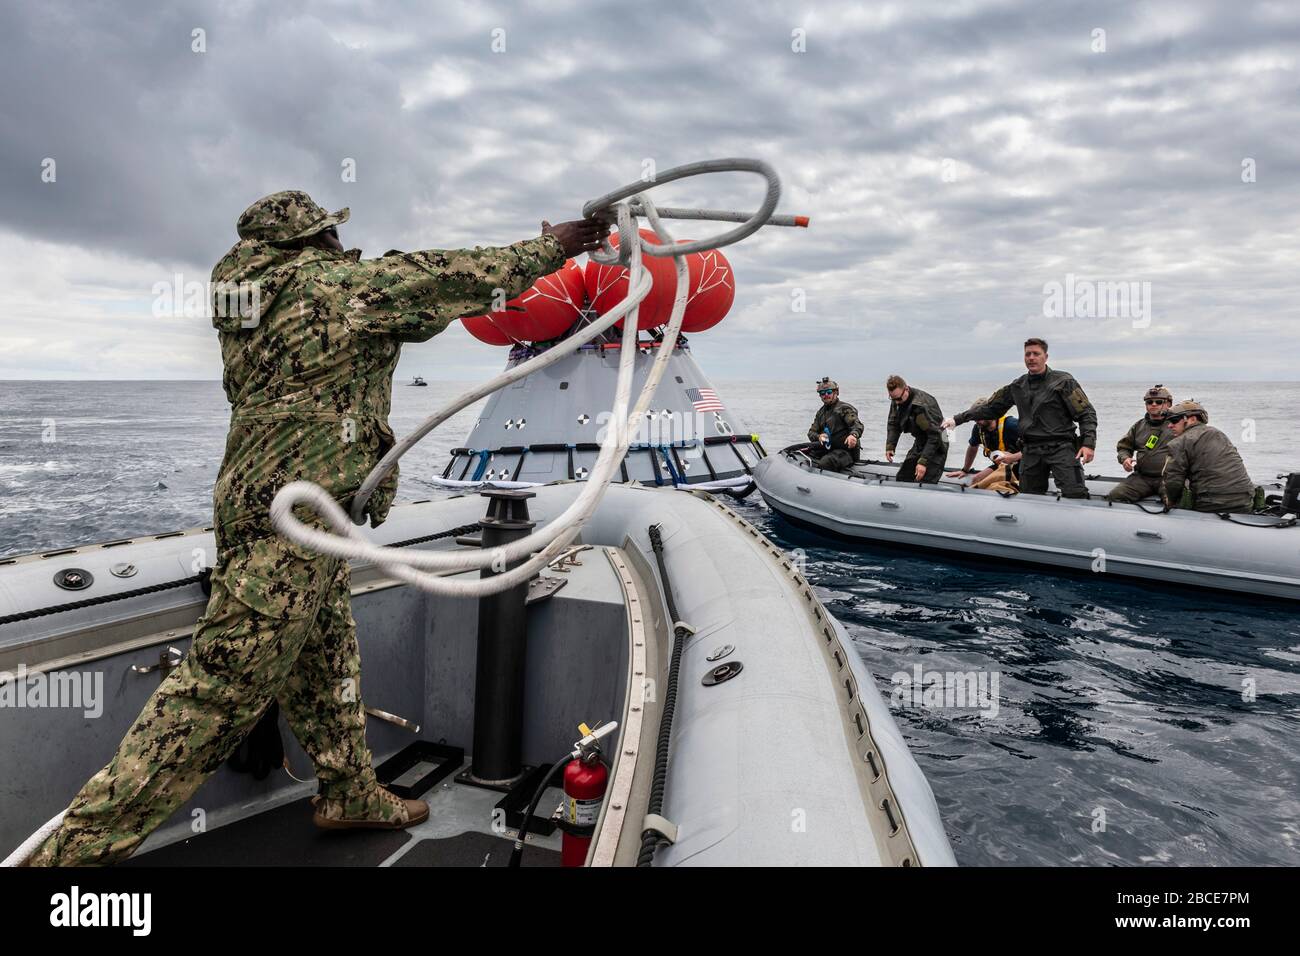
x,y
1050,403
916,413
836,430
1204,470
1000,440
309,360
1144,449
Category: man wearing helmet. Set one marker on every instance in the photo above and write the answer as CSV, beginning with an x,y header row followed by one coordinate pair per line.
x,y
836,428
1143,449
1203,464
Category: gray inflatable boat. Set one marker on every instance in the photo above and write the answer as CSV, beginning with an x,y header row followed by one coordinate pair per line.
x,y
737,722
1250,554
782,750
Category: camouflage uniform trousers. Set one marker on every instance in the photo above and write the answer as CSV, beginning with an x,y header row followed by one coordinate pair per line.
x,y
302,653
1134,488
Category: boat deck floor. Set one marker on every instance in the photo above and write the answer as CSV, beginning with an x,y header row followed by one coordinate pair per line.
x,y
457,833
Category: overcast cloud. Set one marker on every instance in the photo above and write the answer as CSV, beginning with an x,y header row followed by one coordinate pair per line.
x,y
954,157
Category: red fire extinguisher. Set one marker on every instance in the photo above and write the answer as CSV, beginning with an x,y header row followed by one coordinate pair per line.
x,y
585,780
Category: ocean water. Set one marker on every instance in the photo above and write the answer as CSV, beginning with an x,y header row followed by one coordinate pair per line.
x,y
1134,725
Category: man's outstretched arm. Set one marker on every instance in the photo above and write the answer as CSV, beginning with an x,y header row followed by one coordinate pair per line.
x,y
415,295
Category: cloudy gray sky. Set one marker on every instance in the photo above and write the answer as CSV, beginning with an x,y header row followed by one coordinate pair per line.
x,y
956,159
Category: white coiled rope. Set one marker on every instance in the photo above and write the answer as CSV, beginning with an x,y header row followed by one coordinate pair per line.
x,y
428,570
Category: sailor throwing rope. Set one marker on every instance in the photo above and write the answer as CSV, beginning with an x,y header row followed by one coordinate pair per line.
x,y
309,349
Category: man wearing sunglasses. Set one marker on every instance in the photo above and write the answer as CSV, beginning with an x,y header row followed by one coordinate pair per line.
x,y
1143,449
1204,465
916,413
836,430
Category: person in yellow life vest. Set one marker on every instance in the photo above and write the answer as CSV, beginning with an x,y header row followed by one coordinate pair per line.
x,y
1000,440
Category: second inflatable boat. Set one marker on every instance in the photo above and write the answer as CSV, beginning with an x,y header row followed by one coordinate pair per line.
x,y
1251,554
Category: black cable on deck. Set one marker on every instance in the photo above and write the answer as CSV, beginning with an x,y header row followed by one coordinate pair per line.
x,y
454,532
650,838
102,599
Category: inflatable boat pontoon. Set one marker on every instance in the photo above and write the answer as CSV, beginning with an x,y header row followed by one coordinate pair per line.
x,y
1251,554
782,750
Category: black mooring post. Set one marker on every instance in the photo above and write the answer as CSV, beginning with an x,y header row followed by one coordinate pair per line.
x,y
502,648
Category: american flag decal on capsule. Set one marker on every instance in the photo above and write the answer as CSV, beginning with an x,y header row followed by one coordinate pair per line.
x,y
704,399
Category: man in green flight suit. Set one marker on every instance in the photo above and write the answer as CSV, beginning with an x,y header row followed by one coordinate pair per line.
x,y
1142,449
309,353
1050,402
836,428
916,413
1204,462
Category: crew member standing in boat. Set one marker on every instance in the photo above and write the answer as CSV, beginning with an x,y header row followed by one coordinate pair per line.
x,y
1049,402
1203,462
916,413
1143,449
309,359
836,428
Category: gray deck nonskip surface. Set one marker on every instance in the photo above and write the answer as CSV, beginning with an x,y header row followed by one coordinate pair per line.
x,y
284,836
459,832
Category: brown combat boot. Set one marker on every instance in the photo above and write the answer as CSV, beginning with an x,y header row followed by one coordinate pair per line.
x,y
378,809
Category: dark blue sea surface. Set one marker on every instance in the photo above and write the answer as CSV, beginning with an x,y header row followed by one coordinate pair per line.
x,y
1134,725
1118,704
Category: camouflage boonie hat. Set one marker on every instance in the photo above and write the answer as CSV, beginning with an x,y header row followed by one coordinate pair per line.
x,y
285,217
1183,409
1158,391
826,383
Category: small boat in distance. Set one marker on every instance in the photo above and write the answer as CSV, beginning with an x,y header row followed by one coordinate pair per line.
x,y
417,381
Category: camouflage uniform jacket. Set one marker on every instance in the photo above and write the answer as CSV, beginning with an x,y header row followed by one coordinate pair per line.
x,y
1148,442
842,419
309,366
1205,459
1049,405
921,418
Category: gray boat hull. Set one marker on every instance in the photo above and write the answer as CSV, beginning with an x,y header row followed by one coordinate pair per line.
x,y
1180,547
796,760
